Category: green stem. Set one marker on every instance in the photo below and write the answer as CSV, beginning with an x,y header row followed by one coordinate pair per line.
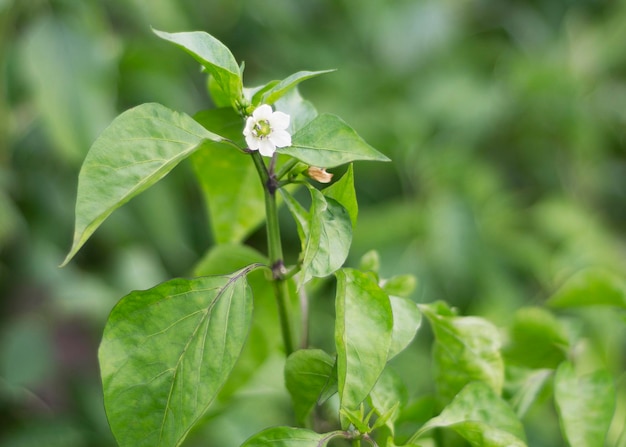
x,y
275,250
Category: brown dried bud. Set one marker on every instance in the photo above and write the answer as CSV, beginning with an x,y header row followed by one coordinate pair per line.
x,y
319,174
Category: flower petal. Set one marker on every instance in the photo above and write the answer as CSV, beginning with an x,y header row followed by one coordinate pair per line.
x,y
279,121
250,122
280,138
262,113
252,142
266,147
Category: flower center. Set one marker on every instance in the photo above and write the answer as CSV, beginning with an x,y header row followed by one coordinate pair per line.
x,y
262,129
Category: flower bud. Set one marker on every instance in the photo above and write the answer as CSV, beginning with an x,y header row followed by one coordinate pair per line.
x,y
319,174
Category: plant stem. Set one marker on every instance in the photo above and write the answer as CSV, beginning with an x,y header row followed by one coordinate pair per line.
x,y
275,250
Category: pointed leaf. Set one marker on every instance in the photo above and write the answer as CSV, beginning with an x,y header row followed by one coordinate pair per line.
x,y
363,329
139,148
343,192
289,437
481,417
466,349
388,395
406,321
585,405
301,111
276,91
214,56
328,241
307,372
327,141
167,351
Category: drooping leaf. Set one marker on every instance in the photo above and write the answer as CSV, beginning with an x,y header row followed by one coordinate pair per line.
x,y
481,417
289,437
343,192
327,141
406,321
537,340
167,351
466,349
363,331
229,181
585,405
591,287
307,372
300,215
328,240
214,56
139,148
279,89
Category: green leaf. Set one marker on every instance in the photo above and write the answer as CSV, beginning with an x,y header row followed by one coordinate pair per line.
x,y
591,287
406,321
327,141
301,111
585,405
363,330
328,241
370,261
466,349
214,56
481,417
279,89
232,190
387,396
167,351
538,339
300,215
289,437
137,150
343,192
534,383
307,373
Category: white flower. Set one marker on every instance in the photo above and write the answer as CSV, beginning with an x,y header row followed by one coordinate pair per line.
x,y
266,130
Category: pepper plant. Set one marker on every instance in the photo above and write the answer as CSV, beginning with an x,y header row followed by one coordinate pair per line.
x,y
168,352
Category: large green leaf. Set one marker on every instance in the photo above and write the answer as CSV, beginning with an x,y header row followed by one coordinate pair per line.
x,y
228,178
591,287
307,372
328,241
167,351
327,141
289,437
343,192
363,331
481,417
585,405
466,349
214,56
139,148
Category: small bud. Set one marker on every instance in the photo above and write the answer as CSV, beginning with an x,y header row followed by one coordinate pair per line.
x,y
319,174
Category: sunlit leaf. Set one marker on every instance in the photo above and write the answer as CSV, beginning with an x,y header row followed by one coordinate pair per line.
x,y
591,287
327,141
585,405
289,437
137,150
481,417
400,285
466,349
167,351
388,396
363,332
307,372
328,240
214,56
406,321
343,192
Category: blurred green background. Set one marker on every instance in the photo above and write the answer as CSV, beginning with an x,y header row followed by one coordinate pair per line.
x,y
506,123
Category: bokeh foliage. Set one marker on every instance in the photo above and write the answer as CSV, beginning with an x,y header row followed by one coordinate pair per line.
x,y
505,124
